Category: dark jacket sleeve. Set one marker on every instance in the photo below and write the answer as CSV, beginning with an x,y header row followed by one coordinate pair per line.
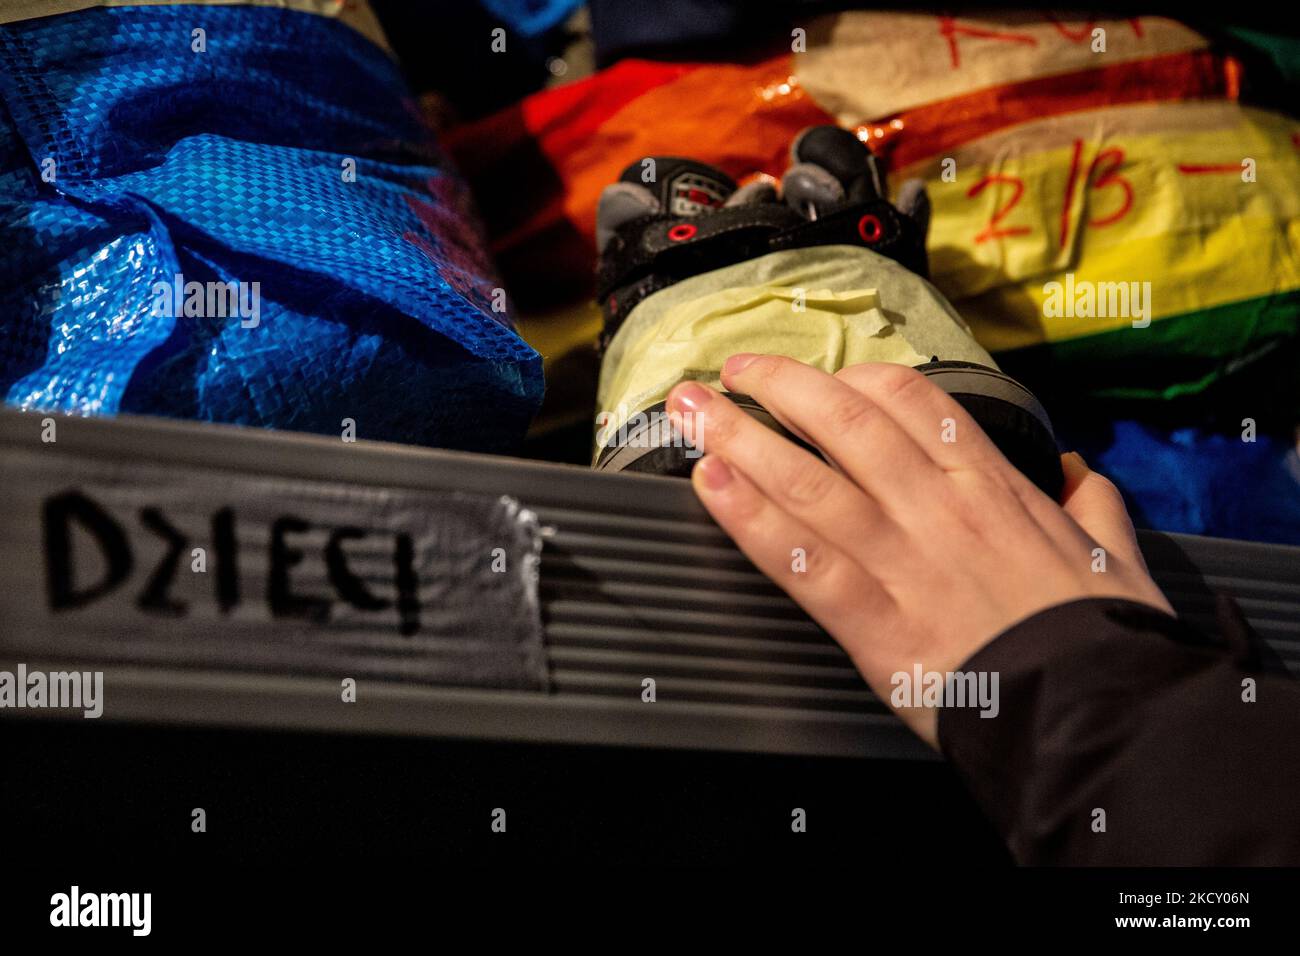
x,y
1112,706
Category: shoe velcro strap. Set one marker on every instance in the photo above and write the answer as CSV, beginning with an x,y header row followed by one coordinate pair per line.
x,y
873,224
682,247
654,252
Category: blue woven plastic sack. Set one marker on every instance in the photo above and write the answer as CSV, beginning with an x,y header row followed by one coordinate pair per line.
x,y
154,196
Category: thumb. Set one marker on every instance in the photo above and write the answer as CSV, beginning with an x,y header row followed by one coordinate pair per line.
x,y
1094,502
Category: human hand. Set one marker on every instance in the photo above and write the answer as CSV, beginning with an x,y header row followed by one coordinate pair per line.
x,y
915,549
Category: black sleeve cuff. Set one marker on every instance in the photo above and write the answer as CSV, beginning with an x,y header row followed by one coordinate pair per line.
x,y
1114,714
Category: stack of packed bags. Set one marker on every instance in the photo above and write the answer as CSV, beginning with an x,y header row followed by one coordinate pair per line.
x,y
1115,211
236,212
233,212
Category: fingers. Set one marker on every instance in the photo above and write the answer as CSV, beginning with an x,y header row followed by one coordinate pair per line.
x,y
825,581
796,480
932,417
1097,507
864,440
954,441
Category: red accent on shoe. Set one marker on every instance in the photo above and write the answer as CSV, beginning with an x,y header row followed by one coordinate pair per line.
x,y
870,229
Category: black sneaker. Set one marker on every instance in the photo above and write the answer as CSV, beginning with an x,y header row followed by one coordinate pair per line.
x,y
669,218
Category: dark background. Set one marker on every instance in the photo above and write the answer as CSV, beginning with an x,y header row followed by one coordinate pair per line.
x,y
118,789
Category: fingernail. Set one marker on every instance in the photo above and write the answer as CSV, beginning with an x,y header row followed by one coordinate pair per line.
x,y
714,472
689,396
1077,456
738,363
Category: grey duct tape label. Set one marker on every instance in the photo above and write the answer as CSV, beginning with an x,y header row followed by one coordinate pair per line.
x,y
141,563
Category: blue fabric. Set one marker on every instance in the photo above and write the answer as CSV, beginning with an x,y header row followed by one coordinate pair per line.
x,y
1196,481
531,17
226,165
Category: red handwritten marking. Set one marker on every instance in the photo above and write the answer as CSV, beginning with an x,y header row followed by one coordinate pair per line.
x,y
1105,166
1069,190
1108,178
992,231
1073,37
1086,33
1192,169
950,30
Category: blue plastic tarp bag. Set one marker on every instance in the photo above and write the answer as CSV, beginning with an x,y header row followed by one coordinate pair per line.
x,y
233,213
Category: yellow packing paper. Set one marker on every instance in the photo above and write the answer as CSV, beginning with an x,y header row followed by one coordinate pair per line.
x,y
830,306
1199,200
